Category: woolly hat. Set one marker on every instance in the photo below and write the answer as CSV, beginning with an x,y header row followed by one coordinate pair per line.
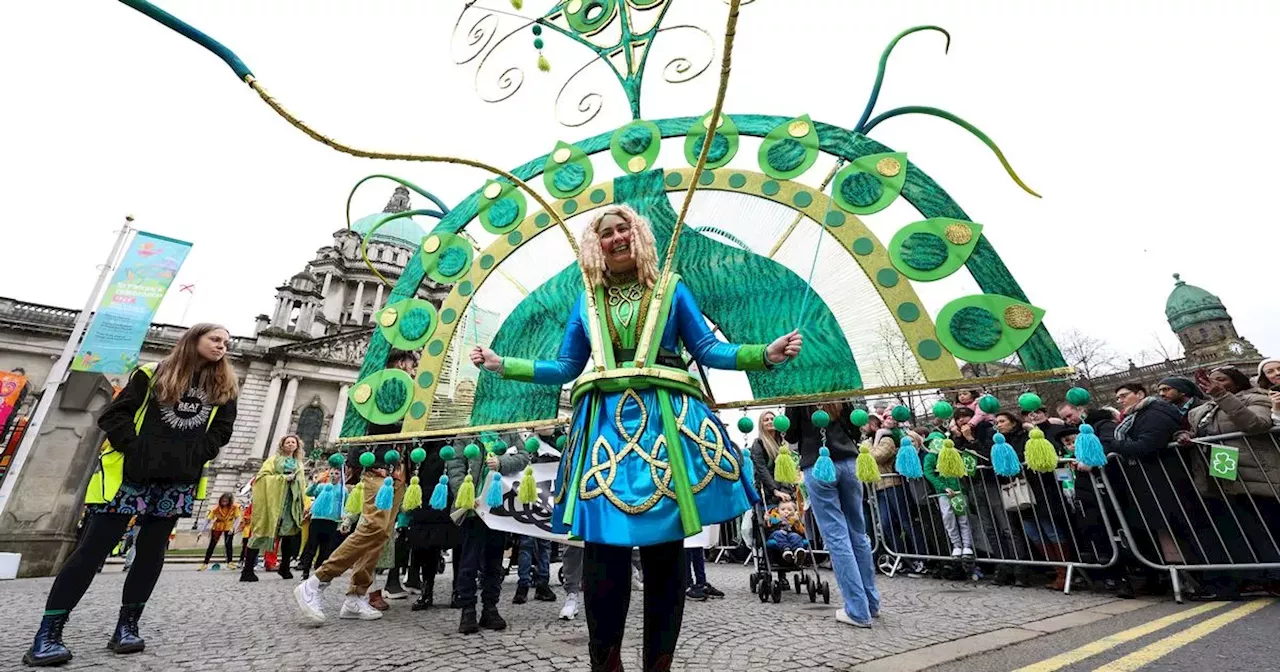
x,y
1262,378
1183,385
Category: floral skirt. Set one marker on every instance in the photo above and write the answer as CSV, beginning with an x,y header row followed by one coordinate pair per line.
x,y
161,500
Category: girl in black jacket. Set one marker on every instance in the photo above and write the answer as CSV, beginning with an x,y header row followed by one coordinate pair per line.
x,y
188,409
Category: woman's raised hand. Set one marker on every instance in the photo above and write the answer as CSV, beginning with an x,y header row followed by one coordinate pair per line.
x,y
485,358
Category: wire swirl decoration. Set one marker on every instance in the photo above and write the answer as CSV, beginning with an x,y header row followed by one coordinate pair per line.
x,y
684,68
588,105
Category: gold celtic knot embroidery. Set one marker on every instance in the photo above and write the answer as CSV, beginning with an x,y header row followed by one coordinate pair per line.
x,y
598,479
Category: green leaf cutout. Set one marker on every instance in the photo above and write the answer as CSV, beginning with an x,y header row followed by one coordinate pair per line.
x,y
986,327
570,177
635,146
445,257
869,184
384,397
724,143
933,249
790,149
407,324
502,207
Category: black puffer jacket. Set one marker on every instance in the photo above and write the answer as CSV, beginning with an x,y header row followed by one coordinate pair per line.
x,y
427,526
808,438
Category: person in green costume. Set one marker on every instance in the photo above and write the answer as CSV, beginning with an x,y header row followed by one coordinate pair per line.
x,y
278,490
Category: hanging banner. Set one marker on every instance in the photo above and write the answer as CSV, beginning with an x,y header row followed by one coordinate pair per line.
x,y
114,338
11,386
534,520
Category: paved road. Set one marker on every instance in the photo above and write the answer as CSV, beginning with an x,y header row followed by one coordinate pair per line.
x,y
1164,637
208,621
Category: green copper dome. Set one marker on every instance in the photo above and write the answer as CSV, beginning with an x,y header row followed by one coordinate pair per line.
x,y
400,232
1189,305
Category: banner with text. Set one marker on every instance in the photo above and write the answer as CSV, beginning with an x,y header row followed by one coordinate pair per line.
x,y
114,338
534,520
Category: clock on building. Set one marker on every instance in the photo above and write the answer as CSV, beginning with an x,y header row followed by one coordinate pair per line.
x,y
1236,348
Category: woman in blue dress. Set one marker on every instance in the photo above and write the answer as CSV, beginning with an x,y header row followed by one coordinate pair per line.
x,y
620,484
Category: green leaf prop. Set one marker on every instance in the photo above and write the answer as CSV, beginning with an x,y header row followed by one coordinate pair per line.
x,y
445,257
724,142
986,327
407,324
567,172
933,249
383,397
790,149
870,183
502,207
635,146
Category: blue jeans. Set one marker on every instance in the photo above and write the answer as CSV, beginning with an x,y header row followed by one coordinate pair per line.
x,y
786,541
838,509
1040,530
895,521
529,547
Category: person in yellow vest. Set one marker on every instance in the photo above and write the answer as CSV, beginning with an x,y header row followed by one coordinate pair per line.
x,y
278,492
222,518
168,421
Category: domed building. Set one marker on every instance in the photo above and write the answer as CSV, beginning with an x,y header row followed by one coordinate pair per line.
x,y
1203,325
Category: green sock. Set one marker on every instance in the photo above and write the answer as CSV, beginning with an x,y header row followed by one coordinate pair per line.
x,y
56,612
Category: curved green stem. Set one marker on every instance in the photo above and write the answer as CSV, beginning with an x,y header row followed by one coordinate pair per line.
x,y
943,114
187,30
444,209
884,63
364,242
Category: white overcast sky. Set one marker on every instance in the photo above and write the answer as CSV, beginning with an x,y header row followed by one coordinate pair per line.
x,y
1148,126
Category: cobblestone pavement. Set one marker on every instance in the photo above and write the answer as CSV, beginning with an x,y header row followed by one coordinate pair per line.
x,y
209,621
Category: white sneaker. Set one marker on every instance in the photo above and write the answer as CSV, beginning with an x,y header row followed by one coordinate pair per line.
x,y
570,607
398,595
844,617
955,552
358,607
310,597
966,552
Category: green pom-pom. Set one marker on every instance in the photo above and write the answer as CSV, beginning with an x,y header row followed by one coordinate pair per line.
x,y
391,395
901,413
448,453
561,442
466,498
784,468
861,189
537,29
412,496
867,469
472,451
785,155
821,419
636,139
1040,454
367,459
532,444
528,491
943,410
1029,401
336,460
782,423
950,464
988,404
537,43
418,455
859,417
745,425
543,64
1078,396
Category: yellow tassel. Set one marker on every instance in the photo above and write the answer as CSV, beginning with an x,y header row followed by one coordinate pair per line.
x,y
1040,454
868,471
784,467
355,500
466,498
950,464
412,496
528,493
518,4
543,64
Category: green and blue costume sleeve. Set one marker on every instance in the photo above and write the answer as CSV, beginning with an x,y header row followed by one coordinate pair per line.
x,y
707,350
575,350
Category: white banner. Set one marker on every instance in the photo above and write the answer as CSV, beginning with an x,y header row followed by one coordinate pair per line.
x,y
534,520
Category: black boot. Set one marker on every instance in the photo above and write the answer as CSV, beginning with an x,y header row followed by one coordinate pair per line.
x,y
246,570
544,593
521,596
126,638
490,619
48,649
467,624
424,601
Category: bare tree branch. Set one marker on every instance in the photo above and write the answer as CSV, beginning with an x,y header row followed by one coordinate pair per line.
x,y
1090,356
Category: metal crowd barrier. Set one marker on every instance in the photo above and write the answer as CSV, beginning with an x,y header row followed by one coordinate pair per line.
x,y
1048,527
1180,510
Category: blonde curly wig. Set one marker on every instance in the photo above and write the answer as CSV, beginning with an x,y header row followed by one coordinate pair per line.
x,y
643,246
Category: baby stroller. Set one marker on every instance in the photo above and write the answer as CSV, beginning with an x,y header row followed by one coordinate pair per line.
x,y
770,564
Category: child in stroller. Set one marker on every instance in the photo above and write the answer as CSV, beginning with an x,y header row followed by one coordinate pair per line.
x,y
785,528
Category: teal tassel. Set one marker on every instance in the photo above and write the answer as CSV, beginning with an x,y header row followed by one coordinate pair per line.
x,y
493,499
386,495
748,471
1004,460
440,495
1089,449
824,469
908,463
327,504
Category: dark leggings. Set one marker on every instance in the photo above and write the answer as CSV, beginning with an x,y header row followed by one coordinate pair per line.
x,y
607,593
213,543
289,547
322,538
102,533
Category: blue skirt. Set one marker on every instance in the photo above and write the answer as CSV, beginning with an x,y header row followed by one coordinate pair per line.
x,y
616,479
160,500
